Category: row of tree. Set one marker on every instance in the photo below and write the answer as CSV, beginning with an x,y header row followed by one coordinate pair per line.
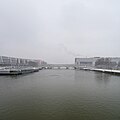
x,y
106,63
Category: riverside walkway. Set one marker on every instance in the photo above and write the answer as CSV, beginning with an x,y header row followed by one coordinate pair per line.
x,y
110,71
18,71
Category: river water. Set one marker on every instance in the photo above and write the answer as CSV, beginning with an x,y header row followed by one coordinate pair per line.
x,y
60,95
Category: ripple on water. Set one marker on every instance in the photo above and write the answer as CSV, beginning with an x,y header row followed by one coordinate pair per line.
x,y
61,95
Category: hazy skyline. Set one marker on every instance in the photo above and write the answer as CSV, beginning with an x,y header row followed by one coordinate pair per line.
x,y
57,31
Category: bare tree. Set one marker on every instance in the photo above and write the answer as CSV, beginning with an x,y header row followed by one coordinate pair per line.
x,y
105,63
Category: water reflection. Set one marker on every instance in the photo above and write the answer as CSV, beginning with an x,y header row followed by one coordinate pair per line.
x,y
90,78
80,75
60,94
102,78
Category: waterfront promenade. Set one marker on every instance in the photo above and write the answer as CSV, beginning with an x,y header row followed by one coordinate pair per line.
x,y
18,71
110,71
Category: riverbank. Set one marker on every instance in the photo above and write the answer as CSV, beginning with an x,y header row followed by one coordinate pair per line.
x,y
110,71
18,71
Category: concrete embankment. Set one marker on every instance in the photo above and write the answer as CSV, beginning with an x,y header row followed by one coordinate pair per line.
x,y
18,71
117,72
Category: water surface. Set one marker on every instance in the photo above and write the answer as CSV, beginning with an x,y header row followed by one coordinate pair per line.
x,y
60,95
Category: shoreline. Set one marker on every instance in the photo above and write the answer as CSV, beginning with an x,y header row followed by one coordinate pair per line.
x,y
115,72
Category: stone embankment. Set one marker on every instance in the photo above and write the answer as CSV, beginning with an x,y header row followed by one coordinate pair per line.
x,y
18,71
110,71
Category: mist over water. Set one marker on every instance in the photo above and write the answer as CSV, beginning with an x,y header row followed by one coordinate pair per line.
x,y
61,95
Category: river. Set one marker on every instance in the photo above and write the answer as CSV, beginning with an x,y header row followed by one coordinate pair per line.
x,y
60,95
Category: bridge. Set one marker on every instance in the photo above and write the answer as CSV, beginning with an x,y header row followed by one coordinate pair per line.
x,y
59,66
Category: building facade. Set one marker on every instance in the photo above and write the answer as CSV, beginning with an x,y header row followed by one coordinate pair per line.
x,y
11,61
100,62
86,62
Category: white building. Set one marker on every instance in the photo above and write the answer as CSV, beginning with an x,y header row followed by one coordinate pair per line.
x,y
90,62
11,61
86,62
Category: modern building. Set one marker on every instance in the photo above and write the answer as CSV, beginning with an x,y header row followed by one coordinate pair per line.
x,y
12,61
101,62
85,62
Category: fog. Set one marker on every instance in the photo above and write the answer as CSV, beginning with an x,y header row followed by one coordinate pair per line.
x,y
57,31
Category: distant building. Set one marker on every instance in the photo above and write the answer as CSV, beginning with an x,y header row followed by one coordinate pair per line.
x,y
85,62
101,62
11,61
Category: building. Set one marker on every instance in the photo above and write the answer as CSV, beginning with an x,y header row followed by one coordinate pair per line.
x,y
86,62
100,62
12,61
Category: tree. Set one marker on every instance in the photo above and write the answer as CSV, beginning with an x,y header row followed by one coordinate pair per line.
x,y
103,63
119,64
99,62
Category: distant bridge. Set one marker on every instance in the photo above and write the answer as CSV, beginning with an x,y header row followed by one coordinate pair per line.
x,y
59,66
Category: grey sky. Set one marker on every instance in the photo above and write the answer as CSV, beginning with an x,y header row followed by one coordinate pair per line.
x,y
59,30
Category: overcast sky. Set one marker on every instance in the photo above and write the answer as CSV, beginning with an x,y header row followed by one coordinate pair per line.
x,y
57,31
